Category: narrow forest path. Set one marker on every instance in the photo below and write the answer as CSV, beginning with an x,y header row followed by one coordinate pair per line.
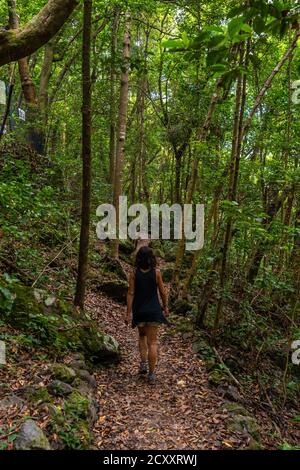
x,y
179,412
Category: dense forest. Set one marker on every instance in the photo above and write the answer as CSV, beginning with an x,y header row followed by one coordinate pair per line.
x,y
165,102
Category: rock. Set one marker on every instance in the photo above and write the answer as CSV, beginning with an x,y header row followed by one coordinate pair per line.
x,y
218,376
82,387
55,413
116,289
77,405
59,388
202,348
235,408
231,392
34,393
31,437
87,377
78,357
62,325
255,445
244,424
63,373
100,347
77,365
9,401
93,410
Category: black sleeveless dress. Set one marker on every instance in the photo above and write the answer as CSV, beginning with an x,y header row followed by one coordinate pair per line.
x,y
146,307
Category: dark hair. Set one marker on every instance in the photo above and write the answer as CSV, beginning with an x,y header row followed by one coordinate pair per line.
x,y
145,258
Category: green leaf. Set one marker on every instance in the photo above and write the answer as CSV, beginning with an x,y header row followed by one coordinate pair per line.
x,y
218,68
214,57
236,11
173,44
185,39
234,26
240,37
216,41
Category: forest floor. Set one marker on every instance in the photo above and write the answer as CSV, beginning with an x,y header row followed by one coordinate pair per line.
x,y
179,412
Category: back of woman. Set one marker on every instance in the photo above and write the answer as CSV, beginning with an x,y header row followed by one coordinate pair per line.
x,y
146,306
144,309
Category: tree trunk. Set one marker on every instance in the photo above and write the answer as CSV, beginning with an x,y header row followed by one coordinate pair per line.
x,y
27,84
122,120
233,174
113,76
86,155
44,80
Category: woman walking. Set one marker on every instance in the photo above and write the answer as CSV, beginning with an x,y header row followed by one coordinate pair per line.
x,y
144,309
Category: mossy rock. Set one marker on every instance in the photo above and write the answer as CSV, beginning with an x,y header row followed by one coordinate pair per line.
x,y
100,347
244,424
31,437
110,284
218,376
116,289
255,445
235,408
62,372
202,348
59,388
35,394
77,405
71,423
58,325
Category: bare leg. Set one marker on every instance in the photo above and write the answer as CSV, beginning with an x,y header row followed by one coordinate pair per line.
x,y
151,333
143,344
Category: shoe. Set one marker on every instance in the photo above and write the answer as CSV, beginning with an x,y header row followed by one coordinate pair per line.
x,y
152,378
143,368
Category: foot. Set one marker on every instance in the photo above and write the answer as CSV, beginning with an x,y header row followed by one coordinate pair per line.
x,y
151,378
143,368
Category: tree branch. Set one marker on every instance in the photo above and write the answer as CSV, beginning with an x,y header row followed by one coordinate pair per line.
x,y
16,44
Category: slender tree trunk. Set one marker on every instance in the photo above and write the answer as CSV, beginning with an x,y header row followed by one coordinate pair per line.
x,y
113,77
86,156
123,106
26,81
233,175
44,80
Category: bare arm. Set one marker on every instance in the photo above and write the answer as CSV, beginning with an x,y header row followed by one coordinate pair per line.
x,y
130,295
162,291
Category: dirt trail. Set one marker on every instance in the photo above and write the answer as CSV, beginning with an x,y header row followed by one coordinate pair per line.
x,y
179,412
